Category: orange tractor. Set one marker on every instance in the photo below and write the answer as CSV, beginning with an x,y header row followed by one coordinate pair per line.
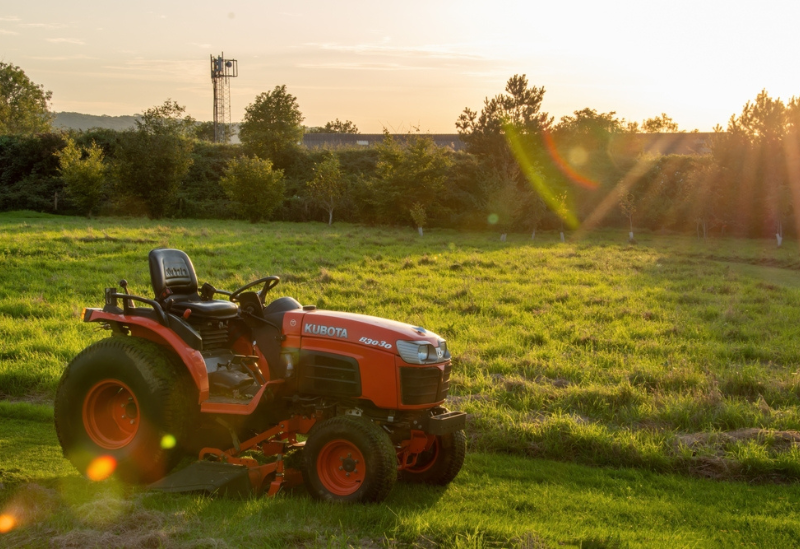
x,y
268,395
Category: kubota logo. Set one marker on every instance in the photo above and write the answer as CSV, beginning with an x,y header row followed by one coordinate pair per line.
x,y
176,271
332,331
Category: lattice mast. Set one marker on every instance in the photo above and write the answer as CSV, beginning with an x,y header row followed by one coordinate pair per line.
x,y
222,70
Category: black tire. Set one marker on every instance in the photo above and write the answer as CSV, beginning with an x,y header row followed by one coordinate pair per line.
x,y
115,370
345,440
441,463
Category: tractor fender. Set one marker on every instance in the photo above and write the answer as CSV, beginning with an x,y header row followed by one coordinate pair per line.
x,y
156,332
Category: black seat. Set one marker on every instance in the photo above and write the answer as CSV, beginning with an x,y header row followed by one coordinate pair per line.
x,y
175,285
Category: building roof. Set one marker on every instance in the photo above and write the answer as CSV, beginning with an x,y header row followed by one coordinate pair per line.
x,y
328,140
648,143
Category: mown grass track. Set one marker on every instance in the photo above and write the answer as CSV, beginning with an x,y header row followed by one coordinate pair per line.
x,y
671,355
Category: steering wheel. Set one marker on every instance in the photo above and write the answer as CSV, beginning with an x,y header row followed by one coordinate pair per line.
x,y
268,281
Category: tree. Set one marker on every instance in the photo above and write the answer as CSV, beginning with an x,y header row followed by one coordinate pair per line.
x,y
407,172
204,131
759,148
328,187
507,137
167,119
254,186
582,144
271,125
589,129
660,124
153,159
84,177
336,126
627,204
562,210
519,108
23,105
502,203
419,216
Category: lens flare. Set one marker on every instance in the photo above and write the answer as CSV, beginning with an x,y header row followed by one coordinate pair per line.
x,y
168,441
7,523
553,200
101,468
578,154
493,219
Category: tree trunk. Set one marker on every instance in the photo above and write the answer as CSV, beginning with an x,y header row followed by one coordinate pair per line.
x,y
533,236
330,217
420,231
562,236
503,237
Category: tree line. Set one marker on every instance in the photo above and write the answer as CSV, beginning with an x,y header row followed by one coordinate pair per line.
x,y
521,171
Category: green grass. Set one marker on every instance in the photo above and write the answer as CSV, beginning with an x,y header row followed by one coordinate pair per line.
x,y
674,355
496,501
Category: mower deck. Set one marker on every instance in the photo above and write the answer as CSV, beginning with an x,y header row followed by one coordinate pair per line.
x,y
208,477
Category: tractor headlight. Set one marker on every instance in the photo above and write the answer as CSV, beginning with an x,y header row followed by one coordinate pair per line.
x,y
426,353
422,352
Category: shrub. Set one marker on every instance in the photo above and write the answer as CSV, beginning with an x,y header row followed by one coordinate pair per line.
x,y
84,178
254,186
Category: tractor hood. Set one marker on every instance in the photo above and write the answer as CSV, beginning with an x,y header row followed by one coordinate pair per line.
x,y
365,330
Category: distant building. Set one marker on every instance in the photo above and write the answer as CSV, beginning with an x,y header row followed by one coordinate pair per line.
x,y
650,143
333,140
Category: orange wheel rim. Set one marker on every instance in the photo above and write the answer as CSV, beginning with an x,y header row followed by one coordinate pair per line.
x,y
111,414
432,453
341,467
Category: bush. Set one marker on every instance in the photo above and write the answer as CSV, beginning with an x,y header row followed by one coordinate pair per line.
x,y
84,178
200,195
254,186
150,168
29,178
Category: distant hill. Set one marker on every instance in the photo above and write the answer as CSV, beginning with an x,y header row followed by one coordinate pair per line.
x,y
78,121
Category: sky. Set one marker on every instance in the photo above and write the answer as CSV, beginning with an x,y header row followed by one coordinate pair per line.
x,y
412,65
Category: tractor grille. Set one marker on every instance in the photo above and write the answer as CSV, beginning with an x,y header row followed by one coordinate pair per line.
x,y
424,385
214,333
329,374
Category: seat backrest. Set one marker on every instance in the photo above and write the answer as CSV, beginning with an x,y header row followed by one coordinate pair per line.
x,y
171,270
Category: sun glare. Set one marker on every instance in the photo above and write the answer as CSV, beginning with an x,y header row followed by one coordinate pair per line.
x,y
168,441
101,468
7,523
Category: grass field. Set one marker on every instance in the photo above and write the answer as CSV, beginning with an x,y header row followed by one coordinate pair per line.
x,y
673,355
496,501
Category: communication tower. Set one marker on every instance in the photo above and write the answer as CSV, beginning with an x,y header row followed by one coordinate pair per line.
x,y
222,70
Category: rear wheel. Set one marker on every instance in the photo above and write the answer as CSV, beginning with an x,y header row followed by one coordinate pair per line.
x,y
123,406
349,460
441,462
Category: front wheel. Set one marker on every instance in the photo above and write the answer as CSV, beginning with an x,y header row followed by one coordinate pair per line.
x,y
440,463
349,460
121,406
